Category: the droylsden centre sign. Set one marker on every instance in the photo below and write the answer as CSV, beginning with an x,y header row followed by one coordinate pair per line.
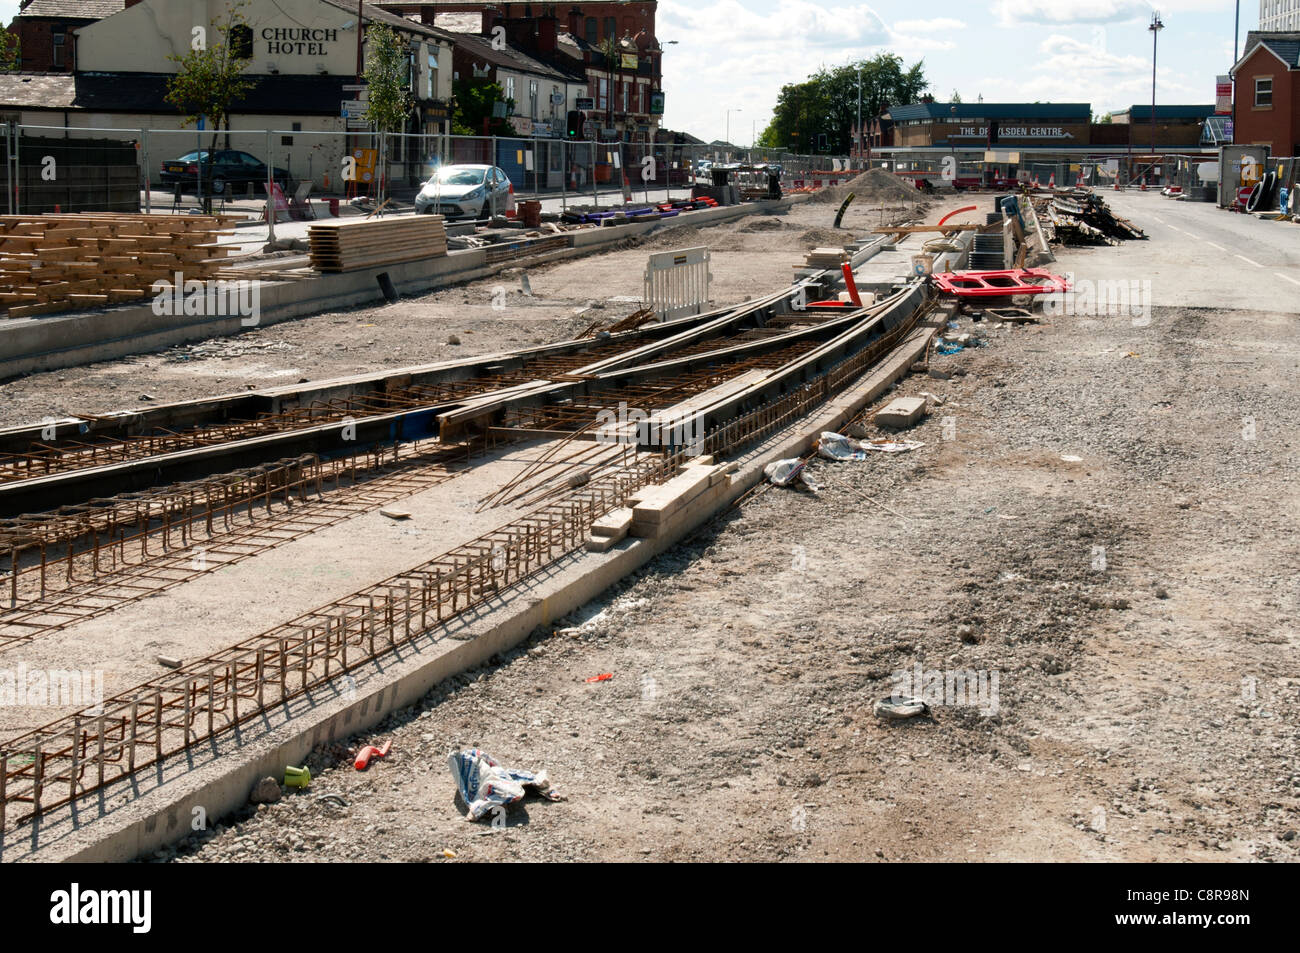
x,y
1018,132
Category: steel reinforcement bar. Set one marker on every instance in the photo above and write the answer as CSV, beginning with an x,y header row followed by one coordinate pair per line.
x,y
62,761
79,562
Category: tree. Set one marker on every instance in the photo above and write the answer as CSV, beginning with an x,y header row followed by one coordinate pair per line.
x,y
609,49
388,96
211,76
11,51
475,102
827,102
955,97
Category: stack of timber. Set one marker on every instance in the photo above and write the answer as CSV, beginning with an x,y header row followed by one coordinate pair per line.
x,y
51,263
349,246
824,258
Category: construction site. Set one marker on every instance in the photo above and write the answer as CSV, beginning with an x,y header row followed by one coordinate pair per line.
x,y
863,523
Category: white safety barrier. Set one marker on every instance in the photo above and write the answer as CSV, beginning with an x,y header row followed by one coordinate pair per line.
x,y
677,282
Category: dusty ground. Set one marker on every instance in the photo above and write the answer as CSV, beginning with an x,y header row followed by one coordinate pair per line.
x,y
1135,604
750,257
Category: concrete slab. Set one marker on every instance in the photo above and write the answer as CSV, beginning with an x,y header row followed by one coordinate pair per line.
x,y
901,412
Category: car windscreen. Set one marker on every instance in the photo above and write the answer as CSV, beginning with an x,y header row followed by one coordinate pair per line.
x,y
191,157
454,176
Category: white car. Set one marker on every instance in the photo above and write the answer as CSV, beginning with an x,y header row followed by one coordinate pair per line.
x,y
466,191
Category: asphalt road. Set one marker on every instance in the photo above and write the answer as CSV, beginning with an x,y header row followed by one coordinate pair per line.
x,y
1202,255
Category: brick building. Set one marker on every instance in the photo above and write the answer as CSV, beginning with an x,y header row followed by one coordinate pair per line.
x,y
47,30
1266,92
626,92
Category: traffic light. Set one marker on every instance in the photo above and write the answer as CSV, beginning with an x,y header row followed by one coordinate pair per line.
x,y
573,129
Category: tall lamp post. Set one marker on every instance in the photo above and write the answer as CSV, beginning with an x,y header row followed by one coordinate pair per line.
x,y
729,112
1155,28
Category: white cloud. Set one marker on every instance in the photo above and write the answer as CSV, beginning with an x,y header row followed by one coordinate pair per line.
x,y
1060,12
750,54
937,24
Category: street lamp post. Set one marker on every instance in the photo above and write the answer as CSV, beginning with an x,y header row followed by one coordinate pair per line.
x,y
1155,28
729,112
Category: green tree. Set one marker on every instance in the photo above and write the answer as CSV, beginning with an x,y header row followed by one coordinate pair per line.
x,y
11,51
388,94
827,102
475,102
211,77
955,97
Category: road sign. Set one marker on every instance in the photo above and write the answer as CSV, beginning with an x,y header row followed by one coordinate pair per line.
x,y
353,109
355,88
584,104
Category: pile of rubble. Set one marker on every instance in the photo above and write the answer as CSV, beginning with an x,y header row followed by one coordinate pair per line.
x,y
1082,217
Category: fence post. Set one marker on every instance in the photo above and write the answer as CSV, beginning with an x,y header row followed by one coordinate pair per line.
x,y
595,193
564,175
270,191
144,160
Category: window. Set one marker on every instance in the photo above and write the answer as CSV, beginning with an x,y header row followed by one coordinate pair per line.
x,y
510,93
1264,91
602,95
532,99
625,94
590,28
58,39
241,42
611,28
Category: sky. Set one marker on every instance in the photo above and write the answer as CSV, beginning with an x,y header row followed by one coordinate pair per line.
x,y
736,56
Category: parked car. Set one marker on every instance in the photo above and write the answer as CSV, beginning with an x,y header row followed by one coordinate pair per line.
x,y
466,191
228,167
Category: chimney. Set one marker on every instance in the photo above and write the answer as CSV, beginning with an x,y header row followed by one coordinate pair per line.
x,y
575,22
547,28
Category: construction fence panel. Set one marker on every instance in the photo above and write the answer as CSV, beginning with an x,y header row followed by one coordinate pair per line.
x,y
96,171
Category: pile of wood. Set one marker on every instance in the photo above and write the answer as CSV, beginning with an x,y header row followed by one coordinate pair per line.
x,y
824,258
349,246
1083,218
51,263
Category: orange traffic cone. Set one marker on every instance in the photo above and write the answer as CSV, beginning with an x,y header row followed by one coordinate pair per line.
x,y
510,210
1143,187
1116,181
1079,184
1051,181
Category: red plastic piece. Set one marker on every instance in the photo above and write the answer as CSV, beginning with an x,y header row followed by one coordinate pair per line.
x,y
600,678
850,285
368,752
994,284
968,208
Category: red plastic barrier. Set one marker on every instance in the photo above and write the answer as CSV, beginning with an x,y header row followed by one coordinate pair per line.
x,y
994,284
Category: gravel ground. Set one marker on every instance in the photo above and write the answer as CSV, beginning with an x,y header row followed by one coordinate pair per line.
x,y
1102,516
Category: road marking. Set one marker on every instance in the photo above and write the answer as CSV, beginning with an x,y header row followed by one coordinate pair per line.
x,y
1212,245
1286,278
1248,261
1181,232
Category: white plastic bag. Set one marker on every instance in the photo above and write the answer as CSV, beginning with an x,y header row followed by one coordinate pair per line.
x,y
486,786
836,446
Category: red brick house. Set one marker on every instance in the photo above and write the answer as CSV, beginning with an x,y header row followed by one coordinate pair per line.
x,y
47,30
1266,100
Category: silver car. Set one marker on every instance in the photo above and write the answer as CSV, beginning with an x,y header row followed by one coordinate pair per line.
x,y
466,191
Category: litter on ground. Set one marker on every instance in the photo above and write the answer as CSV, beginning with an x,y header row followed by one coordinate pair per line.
x,y
485,785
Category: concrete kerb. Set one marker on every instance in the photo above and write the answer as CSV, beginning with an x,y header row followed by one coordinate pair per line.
x,y
222,785
51,342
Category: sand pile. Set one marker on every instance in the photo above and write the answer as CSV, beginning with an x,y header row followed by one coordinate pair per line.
x,y
765,224
874,185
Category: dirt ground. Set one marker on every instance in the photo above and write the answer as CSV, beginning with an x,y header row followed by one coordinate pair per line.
x,y
1102,516
749,257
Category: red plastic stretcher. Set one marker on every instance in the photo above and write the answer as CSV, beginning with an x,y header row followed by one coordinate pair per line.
x,y
995,284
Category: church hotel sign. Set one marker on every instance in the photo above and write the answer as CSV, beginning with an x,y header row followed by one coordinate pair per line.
x,y
300,41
